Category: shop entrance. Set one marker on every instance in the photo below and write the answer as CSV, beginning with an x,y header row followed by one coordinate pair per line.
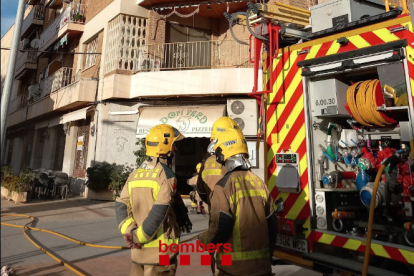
x,y
190,152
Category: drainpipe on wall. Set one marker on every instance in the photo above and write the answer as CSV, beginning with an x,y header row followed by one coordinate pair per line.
x,y
96,119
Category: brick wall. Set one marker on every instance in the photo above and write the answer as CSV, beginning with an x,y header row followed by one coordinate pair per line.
x,y
155,29
92,71
93,7
222,31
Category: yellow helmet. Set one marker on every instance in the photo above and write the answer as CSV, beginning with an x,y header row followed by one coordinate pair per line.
x,y
198,167
231,142
222,124
160,139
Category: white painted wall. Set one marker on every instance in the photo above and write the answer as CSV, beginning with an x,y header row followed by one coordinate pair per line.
x,y
260,171
116,134
193,82
70,146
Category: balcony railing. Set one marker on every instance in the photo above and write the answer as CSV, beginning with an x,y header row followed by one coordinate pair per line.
x,y
54,82
74,13
181,55
29,56
37,13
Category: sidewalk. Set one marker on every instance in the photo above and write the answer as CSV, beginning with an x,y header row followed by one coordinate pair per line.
x,y
85,220
88,221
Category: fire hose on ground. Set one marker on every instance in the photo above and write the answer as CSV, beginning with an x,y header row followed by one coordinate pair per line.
x,y
50,254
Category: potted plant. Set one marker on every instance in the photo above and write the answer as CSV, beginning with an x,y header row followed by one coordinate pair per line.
x,y
106,180
79,18
15,187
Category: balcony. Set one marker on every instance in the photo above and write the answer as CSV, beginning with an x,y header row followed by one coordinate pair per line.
x,y
180,56
57,92
32,20
26,61
55,81
192,68
70,21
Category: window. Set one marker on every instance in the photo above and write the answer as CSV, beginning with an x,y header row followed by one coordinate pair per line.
x,y
90,59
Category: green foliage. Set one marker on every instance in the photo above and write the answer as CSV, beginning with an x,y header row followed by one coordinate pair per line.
x,y
105,176
18,184
5,171
140,153
119,176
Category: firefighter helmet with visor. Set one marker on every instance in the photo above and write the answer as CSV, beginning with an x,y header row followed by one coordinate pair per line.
x,y
219,126
160,140
230,143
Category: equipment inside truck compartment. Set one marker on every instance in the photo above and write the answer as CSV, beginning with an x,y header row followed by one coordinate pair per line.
x,y
358,117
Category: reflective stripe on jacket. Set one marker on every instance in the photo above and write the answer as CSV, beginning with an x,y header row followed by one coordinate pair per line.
x,y
211,172
145,208
242,215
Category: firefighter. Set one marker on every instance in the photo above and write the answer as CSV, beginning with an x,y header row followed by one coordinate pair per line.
x,y
211,171
196,201
146,210
242,213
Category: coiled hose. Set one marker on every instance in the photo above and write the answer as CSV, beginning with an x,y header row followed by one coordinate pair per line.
x,y
50,254
361,100
231,20
393,158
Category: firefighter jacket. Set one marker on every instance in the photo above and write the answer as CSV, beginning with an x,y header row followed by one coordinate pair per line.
x,y
242,215
211,172
145,209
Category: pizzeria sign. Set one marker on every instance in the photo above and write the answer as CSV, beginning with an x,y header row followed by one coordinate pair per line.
x,y
191,121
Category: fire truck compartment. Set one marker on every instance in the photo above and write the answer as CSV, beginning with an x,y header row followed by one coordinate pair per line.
x,y
359,114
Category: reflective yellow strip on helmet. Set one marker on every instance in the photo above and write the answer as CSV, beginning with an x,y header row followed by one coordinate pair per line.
x,y
247,255
126,224
216,172
145,184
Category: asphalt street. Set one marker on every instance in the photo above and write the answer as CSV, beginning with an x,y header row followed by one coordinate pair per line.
x,y
88,221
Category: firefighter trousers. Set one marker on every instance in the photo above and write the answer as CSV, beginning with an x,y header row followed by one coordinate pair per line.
x,y
153,270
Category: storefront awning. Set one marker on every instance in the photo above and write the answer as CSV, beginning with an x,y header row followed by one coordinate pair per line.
x,y
191,121
75,115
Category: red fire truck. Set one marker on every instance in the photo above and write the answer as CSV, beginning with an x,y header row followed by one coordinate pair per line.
x,y
337,118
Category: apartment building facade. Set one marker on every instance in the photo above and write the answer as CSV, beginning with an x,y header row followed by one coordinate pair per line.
x,y
95,75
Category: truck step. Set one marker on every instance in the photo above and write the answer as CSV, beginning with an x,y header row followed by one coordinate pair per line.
x,y
346,264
